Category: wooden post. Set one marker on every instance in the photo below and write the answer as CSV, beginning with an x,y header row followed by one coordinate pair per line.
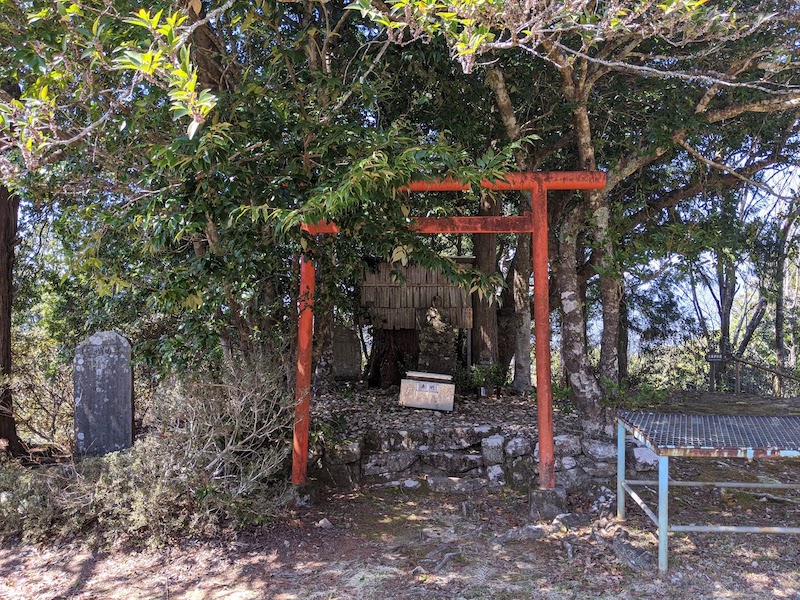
x,y
712,384
541,318
305,334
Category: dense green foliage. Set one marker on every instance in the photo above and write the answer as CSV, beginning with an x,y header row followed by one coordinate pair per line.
x,y
186,231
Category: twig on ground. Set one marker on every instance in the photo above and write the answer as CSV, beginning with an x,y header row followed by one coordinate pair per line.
x,y
446,559
432,553
568,548
636,558
773,497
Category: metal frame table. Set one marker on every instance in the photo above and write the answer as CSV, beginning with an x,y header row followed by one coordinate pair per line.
x,y
707,436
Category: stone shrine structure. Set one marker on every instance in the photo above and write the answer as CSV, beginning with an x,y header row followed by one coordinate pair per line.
x,y
437,342
103,381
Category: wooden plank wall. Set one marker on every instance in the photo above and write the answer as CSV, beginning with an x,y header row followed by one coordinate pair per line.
x,y
402,304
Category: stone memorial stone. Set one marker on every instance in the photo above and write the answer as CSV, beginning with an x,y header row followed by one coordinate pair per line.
x,y
103,394
437,347
600,450
346,353
492,449
519,446
644,459
546,505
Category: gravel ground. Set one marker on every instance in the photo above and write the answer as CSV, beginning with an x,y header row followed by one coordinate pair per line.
x,y
380,542
390,543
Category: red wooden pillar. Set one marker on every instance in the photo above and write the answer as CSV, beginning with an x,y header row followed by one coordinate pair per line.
x,y
541,319
305,334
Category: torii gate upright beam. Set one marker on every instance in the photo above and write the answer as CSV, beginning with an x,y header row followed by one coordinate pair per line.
x,y
535,222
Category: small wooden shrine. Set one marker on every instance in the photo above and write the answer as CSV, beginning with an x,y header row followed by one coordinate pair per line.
x,y
415,313
399,297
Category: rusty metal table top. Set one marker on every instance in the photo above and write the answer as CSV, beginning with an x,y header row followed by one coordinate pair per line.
x,y
728,436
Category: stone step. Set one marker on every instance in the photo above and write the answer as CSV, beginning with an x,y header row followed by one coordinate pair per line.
x,y
453,463
418,461
456,485
428,439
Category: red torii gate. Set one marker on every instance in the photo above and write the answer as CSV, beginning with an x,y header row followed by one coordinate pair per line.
x,y
535,222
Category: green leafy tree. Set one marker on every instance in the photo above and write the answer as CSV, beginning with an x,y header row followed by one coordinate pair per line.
x,y
640,90
185,144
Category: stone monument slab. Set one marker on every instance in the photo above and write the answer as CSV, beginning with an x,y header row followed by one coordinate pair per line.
x,y
103,381
346,353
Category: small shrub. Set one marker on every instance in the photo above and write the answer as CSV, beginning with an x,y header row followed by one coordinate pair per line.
x,y
562,400
492,377
213,456
41,386
463,380
632,397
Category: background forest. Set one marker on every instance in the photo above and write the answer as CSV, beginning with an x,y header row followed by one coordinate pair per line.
x,y
157,161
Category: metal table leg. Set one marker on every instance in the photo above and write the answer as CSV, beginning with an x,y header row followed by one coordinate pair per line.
x,y
663,512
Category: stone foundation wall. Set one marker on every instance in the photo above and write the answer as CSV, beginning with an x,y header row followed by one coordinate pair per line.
x,y
481,443
463,459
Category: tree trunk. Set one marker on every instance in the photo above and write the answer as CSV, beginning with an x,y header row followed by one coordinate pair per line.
x,y
514,318
209,54
516,336
610,285
507,324
726,283
611,297
624,339
584,388
752,325
780,318
790,299
323,315
393,351
9,207
780,305
521,383
484,320
323,350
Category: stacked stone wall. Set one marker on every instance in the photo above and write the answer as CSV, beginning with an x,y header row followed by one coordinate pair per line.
x,y
457,453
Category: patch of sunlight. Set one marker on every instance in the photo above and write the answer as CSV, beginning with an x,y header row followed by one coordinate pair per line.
x,y
308,566
370,576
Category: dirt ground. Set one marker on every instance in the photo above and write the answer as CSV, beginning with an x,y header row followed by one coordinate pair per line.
x,y
381,542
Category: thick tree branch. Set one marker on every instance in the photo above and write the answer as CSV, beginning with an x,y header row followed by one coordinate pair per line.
x,y
646,71
730,170
202,21
717,181
736,69
630,164
787,101
497,82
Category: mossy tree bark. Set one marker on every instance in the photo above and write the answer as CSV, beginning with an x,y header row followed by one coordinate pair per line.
x,y
484,326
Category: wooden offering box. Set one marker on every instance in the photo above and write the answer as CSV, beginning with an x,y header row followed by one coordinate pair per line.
x,y
434,391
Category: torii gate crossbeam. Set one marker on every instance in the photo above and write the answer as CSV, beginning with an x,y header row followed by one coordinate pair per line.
x,y
535,222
